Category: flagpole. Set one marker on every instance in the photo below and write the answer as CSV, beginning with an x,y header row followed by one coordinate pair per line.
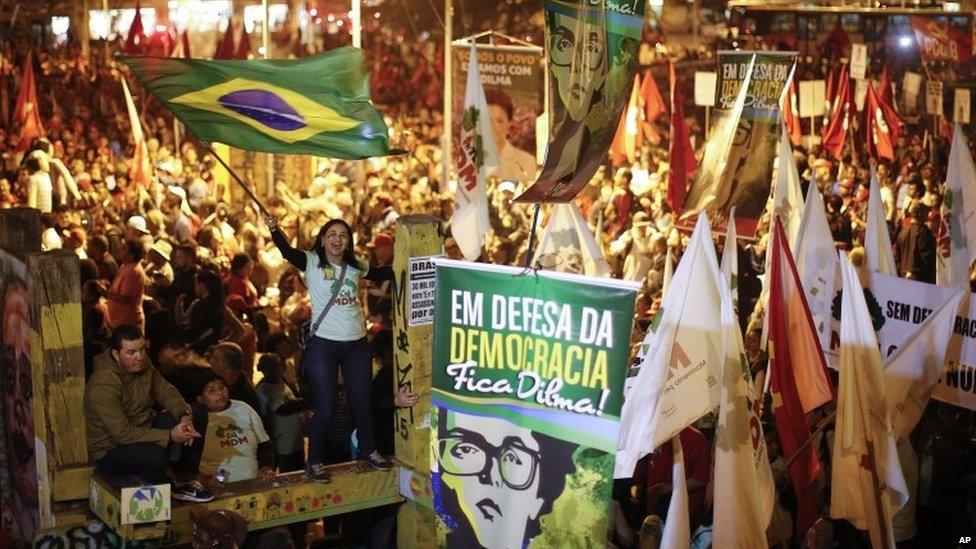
x,y
233,174
535,223
357,24
879,504
447,136
268,157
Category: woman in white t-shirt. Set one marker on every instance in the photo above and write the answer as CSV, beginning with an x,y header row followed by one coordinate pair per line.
x,y
340,339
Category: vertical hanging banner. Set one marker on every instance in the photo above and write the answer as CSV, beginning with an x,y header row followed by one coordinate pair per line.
x,y
744,181
527,384
512,79
592,60
19,512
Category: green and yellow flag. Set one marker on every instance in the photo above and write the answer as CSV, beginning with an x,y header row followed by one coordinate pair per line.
x,y
317,105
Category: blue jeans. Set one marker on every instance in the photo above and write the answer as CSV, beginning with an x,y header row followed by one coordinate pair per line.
x,y
323,359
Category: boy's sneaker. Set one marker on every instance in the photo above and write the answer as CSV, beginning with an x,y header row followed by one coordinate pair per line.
x,y
378,462
318,473
192,491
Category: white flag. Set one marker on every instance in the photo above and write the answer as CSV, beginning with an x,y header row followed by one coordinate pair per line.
x,y
744,491
863,439
957,234
566,244
816,262
730,260
912,371
141,171
878,253
787,194
677,526
475,155
680,361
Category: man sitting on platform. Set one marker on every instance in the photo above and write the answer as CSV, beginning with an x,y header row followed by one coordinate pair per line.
x,y
126,434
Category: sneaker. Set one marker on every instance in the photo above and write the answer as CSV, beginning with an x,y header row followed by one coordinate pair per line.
x,y
378,462
318,473
192,491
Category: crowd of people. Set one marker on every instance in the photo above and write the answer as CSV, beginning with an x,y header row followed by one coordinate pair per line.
x,y
176,279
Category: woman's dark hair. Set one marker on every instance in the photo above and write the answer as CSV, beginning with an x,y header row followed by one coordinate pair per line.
x,y
348,257
239,262
215,288
556,464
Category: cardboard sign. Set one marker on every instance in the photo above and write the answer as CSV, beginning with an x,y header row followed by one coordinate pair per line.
x,y
912,84
859,61
145,504
812,98
420,277
961,105
860,93
705,84
933,98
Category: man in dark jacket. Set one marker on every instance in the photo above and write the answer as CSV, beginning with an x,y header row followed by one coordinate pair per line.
x,y
916,247
125,434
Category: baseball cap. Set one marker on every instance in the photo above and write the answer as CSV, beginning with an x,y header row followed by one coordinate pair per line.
x,y
138,223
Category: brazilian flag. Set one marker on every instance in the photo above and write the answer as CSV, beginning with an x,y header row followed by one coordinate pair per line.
x,y
316,105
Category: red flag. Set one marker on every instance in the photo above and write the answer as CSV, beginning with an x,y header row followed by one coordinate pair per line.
x,y
791,115
886,101
798,374
136,39
885,93
878,136
244,46
627,139
835,132
185,40
829,94
27,110
225,48
681,157
652,106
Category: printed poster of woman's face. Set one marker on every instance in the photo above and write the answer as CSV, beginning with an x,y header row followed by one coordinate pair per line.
x,y
20,499
496,480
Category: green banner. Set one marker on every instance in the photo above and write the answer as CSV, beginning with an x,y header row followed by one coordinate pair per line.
x,y
527,388
592,60
744,181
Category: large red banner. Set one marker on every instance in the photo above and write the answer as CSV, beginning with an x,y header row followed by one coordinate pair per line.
x,y
941,42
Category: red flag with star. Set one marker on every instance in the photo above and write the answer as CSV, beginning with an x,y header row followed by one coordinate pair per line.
x,y
27,111
798,374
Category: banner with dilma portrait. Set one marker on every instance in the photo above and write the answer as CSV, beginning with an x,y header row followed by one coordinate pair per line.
x,y
592,58
527,382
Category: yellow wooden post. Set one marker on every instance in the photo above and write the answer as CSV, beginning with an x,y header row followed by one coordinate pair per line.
x,y
418,237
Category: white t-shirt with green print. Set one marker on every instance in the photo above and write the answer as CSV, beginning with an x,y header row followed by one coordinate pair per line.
x,y
345,320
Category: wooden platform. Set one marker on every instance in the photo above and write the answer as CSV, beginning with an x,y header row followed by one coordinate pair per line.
x,y
292,498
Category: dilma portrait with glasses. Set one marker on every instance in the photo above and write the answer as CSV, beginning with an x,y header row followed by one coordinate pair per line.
x,y
496,480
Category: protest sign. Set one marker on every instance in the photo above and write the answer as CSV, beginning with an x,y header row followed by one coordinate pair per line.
x,y
527,381
512,79
898,306
961,106
705,84
933,98
741,178
859,61
812,98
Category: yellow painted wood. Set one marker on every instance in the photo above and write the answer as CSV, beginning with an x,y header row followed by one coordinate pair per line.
x,y
416,236
61,325
354,486
416,526
72,483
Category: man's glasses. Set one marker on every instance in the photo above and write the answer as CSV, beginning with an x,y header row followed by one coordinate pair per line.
x,y
469,454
